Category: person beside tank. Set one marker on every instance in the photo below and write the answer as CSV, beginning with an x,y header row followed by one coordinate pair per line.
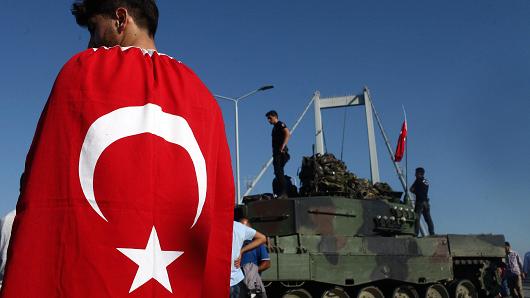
x,y
280,152
240,234
420,188
253,263
6,225
514,273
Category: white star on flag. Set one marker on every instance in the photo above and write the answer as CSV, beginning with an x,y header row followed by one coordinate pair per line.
x,y
152,262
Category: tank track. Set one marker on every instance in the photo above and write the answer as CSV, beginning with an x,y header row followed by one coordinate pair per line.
x,y
473,277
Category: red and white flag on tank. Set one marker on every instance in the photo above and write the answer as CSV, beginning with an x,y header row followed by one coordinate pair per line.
x,y
402,143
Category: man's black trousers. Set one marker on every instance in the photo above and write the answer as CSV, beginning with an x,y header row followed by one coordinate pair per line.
x,y
423,208
278,162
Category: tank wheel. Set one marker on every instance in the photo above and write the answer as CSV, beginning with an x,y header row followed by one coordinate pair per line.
x,y
436,291
370,292
297,293
463,289
405,292
335,293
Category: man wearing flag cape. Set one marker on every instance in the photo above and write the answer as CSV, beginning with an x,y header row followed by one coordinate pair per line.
x,y
128,188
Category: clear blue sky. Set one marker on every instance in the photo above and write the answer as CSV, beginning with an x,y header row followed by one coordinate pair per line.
x,y
461,69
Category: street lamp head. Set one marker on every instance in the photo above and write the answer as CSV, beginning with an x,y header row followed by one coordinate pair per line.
x,y
267,87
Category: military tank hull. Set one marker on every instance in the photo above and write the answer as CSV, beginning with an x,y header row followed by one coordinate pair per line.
x,y
332,246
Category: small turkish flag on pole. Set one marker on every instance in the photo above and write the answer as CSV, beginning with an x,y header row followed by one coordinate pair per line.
x,y
402,143
128,187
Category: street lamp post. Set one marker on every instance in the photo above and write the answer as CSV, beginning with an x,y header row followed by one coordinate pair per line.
x,y
236,110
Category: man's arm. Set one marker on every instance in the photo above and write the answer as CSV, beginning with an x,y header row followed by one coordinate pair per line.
x,y
523,274
413,187
258,240
526,263
287,136
264,260
264,265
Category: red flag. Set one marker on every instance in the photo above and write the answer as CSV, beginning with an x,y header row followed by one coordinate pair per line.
x,y
128,186
402,140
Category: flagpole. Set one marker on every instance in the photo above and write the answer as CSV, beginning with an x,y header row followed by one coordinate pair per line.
x,y
385,138
422,230
407,164
406,155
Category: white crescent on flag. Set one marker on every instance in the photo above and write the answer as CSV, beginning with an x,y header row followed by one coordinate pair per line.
x,y
131,121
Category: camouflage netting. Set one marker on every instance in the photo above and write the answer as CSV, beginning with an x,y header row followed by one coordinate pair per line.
x,y
325,174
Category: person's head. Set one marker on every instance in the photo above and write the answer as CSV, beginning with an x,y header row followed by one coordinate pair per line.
x,y
272,117
245,221
420,172
117,22
507,247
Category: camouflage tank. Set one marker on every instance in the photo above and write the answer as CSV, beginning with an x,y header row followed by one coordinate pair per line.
x,y
346,245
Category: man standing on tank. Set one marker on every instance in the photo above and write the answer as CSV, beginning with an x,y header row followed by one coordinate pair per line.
x,y
280,155
420,188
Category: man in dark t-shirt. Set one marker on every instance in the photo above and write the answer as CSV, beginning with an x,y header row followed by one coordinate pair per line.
x,y
420,189
280,155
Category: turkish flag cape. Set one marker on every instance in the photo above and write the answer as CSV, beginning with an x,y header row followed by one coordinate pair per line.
x,y
128,188
402,140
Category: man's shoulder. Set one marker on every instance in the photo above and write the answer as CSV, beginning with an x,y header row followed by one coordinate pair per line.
x,y
241,228
420,181
121,53
95,65
280,124
264,253
238,226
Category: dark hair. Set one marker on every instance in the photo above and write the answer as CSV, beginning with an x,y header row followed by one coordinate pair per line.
x,y
238,213
271,113
507,244
144,12
420,170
